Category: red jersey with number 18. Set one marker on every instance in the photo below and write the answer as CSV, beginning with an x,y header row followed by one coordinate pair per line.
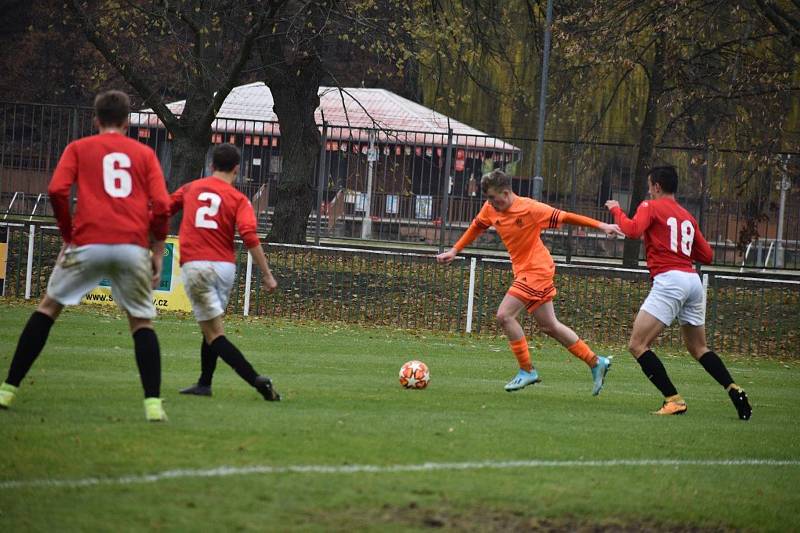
x,y
212,212
122,196
672,239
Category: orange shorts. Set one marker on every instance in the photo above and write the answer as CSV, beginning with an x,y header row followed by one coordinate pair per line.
x,y
532,292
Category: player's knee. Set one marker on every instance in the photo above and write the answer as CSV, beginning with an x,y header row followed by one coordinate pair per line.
x,y
503,318
697,351
50,307
136,324
636,347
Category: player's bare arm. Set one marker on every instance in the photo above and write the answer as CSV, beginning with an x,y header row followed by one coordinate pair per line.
x,y
156,261
270,284
612,230
588,222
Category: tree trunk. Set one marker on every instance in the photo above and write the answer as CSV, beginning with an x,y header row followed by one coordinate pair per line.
x,y
295,94
647,135
188,159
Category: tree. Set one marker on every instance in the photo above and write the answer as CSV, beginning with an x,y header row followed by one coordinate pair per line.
x,y
206,44
784,17
398,39
708,70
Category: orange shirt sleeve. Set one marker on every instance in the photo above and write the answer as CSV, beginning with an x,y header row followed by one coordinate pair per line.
x,y
580,220
480,223
545,216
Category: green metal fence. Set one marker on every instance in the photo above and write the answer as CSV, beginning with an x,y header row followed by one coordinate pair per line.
x,y
745,315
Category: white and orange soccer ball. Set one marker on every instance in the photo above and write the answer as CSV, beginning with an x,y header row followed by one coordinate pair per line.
x,y
414,375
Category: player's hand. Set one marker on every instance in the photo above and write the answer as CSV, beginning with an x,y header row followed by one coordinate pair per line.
x,y
612,230
445,258
61,252
156,262
611,204
270,284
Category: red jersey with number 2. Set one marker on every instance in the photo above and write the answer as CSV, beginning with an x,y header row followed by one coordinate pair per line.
x,y
672,239
122,196
212,212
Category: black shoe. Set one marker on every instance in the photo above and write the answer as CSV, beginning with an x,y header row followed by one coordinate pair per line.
x,y
264,385
197,390
740,402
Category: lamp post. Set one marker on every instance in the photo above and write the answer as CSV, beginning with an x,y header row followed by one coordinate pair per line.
x,y
372,156
537,175
783,185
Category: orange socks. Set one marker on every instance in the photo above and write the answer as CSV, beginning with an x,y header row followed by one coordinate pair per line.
x,y
582,351
520,349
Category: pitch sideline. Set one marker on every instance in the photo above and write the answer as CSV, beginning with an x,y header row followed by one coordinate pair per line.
x,y
226,471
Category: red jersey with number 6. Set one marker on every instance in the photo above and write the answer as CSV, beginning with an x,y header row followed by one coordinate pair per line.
x,y
212,212
122,196
672,239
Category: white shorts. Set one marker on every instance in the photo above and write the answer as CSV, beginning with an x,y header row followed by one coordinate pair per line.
x,y
677,294
126,265
208,285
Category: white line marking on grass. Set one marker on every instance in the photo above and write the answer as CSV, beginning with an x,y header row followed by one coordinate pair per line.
x,y
226,471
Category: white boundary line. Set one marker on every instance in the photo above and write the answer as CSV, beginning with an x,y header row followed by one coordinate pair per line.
x,y
761,280
226,471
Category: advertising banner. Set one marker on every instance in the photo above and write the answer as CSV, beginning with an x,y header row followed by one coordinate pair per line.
x,y
169,295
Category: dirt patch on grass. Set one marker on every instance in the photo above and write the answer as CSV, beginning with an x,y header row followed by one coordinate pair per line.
x,y
493,520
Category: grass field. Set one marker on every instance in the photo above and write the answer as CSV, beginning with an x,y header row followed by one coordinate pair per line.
x,y
348,449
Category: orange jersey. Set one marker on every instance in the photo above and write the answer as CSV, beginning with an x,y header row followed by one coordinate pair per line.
x,y
520,227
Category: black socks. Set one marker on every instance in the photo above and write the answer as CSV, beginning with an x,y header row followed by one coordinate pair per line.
x,y
30,345
148,359
714,366
656,373
208,363
231,355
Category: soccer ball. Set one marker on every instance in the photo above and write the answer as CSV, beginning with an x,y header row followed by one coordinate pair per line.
x,y
414,375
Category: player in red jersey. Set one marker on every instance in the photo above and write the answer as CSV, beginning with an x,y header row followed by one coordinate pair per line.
x,y
672,241
519,222
122,204
212,212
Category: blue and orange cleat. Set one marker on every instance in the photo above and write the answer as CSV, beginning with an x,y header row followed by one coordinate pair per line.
x,y
522,380
599,372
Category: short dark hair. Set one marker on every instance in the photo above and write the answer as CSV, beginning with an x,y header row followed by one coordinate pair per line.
x,y
225,157
112,108
496,179
666,177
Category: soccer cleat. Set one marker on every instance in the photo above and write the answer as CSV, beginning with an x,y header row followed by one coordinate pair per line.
x,y
154,410
197,390
672,407
264,385
522,380
740,402
599,372
7,395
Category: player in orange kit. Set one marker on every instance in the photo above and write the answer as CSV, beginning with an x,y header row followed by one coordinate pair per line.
x,y
519,222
